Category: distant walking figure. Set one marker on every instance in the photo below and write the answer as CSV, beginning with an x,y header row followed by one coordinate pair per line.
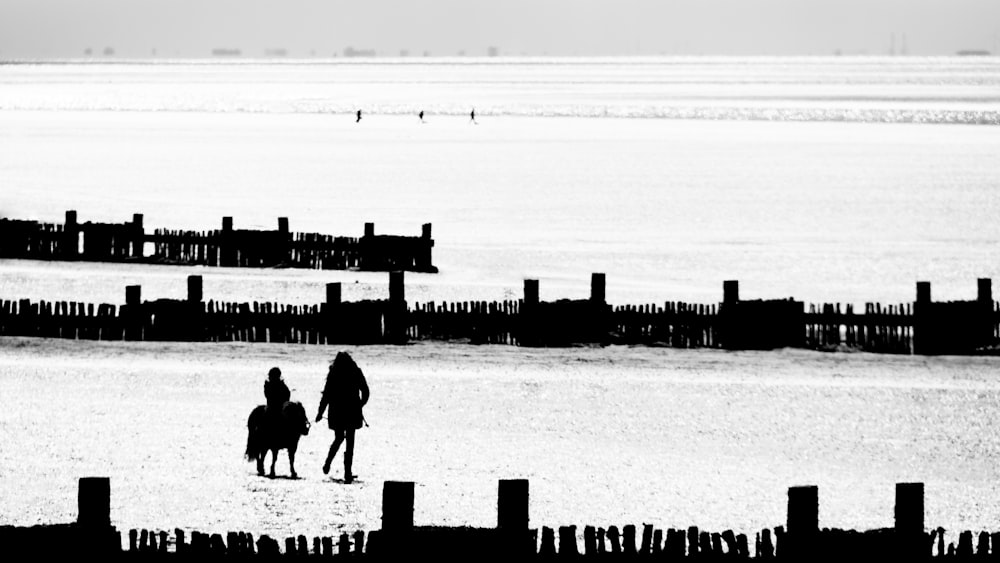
x,y
472,115
421,115
359,116
346,393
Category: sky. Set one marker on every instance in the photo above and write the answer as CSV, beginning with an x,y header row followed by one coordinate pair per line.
x,y
324,28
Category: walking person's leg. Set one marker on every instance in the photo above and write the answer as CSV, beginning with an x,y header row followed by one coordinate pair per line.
x,y
338,438
349,456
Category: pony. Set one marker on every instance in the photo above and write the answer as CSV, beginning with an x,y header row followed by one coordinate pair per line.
x,y
282,432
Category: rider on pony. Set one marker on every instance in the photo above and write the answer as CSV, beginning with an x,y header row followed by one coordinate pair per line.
x,y
276,393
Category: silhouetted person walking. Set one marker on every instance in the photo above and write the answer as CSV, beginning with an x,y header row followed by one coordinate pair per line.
x,y
472,116
421,116
346,393
359,117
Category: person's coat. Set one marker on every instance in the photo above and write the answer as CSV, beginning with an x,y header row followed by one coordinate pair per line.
x,y
345,393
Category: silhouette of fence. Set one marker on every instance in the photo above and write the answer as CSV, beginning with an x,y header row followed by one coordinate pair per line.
x,y
922,327
128,242
800,538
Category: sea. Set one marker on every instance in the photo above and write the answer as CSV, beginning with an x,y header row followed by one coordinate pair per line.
x,y
827,179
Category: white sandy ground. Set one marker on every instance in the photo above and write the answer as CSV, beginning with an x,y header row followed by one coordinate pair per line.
x,y
606,435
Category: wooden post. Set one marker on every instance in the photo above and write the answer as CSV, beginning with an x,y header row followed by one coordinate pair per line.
x,y
803,520
425,231
530,293
923,292
194,294
985,291
133,294
730,291
909,509
369,229
597,288
803,510
332,294
922,329
589,541
567,541
397,506
283,225
94,502
138,236
512,504
71,236
397,293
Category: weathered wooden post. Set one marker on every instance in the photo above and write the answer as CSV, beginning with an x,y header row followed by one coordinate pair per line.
x,y
71,237
131,313
803,521
194,292
369,229
424,262
94,501
909,519
922,322
597,288
227,244
728,316
530,294
730,291
512,517
567,542
528,317
396,315
397,506
332,294
138,237
984,302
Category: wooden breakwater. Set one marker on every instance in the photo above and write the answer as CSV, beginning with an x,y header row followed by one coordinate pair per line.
x,y
799,538
921,327
225,247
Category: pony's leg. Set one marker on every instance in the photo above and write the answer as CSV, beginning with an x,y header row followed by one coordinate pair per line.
x,y
274,459
291,461
260,462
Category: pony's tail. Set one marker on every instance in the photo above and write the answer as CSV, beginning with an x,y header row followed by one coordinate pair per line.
x,y
251,453
253,448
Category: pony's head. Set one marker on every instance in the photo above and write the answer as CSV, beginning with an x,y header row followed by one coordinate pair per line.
x,y
296,416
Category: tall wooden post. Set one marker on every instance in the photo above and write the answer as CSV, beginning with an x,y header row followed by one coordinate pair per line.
x,y
227,244
730,291
94,502
369,229
923,340
803,521
131,313
71,236
138,237
597,288
194,289
530,293
512,504
397,506
909,510
332,295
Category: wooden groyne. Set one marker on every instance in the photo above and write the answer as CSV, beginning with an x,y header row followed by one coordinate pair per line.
x,y
225,247
800,538
922,327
